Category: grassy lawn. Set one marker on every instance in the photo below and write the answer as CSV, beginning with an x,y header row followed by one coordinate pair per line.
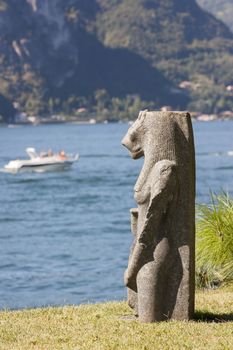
x,y
102,326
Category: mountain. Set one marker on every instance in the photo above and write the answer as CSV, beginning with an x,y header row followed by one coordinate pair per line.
x,y
222,9
56,55
177,37
48,53
157,29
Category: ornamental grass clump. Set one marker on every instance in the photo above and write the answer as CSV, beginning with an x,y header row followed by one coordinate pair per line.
x,y
214,242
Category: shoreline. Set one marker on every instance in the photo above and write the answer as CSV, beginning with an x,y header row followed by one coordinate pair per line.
x,y
77,122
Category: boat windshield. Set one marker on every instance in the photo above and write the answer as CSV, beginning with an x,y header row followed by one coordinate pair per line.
x,y
31,152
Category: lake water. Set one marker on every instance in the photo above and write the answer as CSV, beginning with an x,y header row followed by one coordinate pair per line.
x,y
65,237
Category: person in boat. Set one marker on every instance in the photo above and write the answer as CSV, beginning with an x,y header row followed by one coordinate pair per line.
x,y
62,154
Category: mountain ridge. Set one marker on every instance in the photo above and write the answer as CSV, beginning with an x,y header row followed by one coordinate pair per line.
x,y
222,9
56,51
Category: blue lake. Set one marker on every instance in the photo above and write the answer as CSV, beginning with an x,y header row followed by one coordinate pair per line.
x,y
65,237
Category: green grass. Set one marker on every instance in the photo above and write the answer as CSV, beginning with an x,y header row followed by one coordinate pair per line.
x,y
103,326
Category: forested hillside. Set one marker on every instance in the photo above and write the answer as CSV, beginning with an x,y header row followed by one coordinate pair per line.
x,y
178,38
60,56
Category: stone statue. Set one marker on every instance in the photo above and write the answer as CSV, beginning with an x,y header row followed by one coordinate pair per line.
x,y
160,273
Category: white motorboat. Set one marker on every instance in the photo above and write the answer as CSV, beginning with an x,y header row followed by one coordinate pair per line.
x,y
44,162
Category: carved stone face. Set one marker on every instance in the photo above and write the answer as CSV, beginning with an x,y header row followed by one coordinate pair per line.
x,y
152,135
133,139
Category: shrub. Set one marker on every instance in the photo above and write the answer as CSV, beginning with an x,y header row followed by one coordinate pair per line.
x,y
214,242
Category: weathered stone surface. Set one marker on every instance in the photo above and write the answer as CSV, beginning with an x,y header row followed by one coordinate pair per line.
x,y
160,273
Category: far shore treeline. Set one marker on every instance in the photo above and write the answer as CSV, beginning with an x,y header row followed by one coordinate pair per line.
x,y
109,59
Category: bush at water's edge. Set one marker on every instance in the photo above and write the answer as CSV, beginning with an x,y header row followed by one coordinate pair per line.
x,y
214,242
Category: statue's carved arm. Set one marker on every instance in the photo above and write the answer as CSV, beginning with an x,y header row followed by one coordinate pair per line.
x,y
162,188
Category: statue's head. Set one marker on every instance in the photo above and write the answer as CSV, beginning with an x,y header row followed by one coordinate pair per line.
x,y
152,133
134,139
160,135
